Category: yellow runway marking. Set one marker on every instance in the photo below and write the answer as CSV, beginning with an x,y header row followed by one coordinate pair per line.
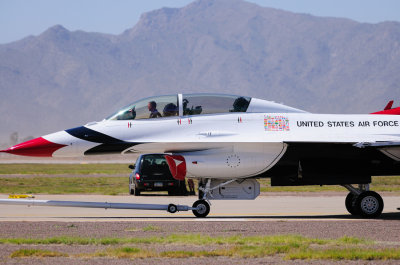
x,y
20,196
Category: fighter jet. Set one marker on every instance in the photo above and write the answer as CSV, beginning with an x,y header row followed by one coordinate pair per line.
x,y
228,142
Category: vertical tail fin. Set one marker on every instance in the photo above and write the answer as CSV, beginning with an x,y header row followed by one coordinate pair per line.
x,y
388,110
389,105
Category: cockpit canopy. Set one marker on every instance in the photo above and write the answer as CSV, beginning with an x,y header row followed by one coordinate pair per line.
x,y
196,104
190,104
148,107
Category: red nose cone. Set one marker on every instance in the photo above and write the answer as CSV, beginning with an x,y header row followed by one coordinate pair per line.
x,y
36,147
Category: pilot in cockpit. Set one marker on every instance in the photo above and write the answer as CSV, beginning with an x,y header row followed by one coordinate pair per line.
x,y
170,110
240,105
152,106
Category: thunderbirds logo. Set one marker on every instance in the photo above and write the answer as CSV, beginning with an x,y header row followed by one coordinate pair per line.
x,y
177,166
276,123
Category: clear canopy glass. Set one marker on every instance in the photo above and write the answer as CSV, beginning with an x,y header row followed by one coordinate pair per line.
x,y
153,107
192,104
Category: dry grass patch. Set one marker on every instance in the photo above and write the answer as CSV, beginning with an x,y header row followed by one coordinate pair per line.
x,y
64,185
123,253
191,239
289,247
346,254
152,228
53,169
37,253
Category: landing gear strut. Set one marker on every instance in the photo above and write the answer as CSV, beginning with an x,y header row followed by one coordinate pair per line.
x,y
361,201
201,208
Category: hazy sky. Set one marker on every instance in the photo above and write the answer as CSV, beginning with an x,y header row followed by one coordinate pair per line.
x,y
21,18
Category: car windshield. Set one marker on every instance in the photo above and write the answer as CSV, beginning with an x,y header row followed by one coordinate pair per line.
x,y
153,107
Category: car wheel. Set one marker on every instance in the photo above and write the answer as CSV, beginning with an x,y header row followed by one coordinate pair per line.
x,y
137,192
131,191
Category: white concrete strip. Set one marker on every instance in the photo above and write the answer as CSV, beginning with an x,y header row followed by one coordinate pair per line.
x,y
262,209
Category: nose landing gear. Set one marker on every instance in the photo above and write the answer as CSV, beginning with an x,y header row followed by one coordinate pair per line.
x,y
201,208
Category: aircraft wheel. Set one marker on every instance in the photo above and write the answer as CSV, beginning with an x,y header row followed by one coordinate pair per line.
x,y
369,204
350,204
172,208
202,208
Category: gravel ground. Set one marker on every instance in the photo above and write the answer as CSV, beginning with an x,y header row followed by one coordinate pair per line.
x,y
380,230
386,232
194,261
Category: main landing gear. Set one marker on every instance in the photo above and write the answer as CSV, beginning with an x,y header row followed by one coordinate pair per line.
x,y
363,202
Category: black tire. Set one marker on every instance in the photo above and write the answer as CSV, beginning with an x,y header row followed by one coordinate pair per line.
x,y
137,192
369,204
204,208
350,204
131,191
172,208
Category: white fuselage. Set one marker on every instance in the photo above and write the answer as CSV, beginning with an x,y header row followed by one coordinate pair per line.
x,y
234,145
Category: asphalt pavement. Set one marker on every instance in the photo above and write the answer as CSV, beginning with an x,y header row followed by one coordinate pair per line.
x,y
288,207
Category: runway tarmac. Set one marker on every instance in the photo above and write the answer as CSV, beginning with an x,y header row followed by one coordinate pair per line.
x,y
264,208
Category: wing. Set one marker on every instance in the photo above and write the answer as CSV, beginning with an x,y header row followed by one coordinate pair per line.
x,y
391,149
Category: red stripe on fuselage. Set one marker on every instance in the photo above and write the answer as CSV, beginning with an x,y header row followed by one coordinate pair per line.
x,y
395,111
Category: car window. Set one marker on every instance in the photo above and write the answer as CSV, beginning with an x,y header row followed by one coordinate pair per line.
x,y
155,167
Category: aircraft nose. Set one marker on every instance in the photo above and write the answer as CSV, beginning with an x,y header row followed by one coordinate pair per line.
x,y
35,147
